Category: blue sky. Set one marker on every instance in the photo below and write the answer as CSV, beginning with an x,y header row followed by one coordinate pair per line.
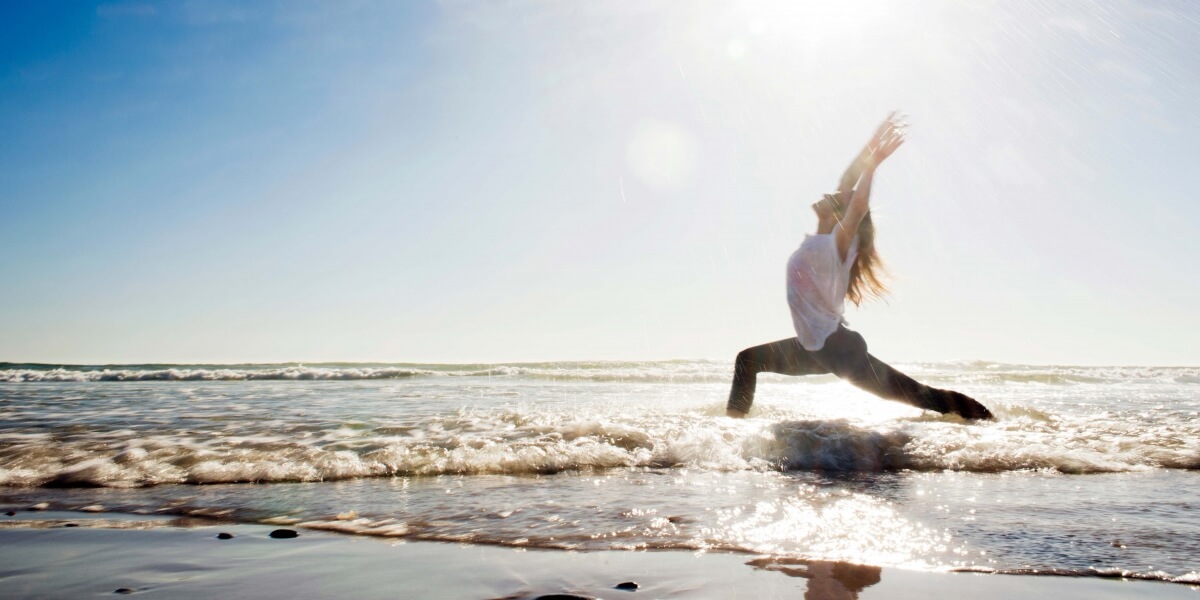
x,y
502,181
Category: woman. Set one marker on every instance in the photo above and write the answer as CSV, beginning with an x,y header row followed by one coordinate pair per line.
x,y
836,263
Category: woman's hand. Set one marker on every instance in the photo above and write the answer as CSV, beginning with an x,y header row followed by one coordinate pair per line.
x,y
889,136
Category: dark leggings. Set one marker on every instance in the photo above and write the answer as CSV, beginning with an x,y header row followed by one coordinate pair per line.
x,y
845,355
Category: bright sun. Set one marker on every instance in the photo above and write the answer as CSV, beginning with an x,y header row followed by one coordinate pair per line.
x,y
817,20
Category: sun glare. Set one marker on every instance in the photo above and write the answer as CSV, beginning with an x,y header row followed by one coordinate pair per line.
x,y
662,155
816,21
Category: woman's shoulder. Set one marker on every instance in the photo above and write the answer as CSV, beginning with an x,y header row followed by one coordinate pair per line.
x,y
816,246
817,239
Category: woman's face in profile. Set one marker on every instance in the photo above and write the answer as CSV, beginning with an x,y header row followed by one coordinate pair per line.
x,y
828,207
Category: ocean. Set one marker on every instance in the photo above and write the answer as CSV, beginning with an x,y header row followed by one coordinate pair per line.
x,y
1088,471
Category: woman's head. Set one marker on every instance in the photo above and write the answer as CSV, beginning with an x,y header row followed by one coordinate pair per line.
x,y
831,207
866,275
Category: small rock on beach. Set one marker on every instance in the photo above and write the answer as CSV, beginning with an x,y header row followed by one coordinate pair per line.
x,y
627,585
224,536
283,534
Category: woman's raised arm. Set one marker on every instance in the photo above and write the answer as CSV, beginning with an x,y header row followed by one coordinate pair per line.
x,y
859,165
891,135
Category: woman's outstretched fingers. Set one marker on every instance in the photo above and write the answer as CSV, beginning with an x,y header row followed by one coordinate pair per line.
x,y
887,124
884,131
888,137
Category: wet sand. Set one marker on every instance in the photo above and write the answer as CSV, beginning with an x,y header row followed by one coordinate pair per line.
x,y
72,555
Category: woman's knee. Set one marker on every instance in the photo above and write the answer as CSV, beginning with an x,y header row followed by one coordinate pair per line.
x,y
745,360
849,342
844,354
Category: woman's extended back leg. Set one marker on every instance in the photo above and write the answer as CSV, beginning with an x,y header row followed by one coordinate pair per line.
x,y
786,357
845,354
887,382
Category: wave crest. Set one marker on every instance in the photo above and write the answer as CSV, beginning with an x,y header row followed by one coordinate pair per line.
x,y
518,442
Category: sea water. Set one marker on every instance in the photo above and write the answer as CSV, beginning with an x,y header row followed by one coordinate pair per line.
x,y
1086,471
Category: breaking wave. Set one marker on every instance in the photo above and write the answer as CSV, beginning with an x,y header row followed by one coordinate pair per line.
x,y
517,442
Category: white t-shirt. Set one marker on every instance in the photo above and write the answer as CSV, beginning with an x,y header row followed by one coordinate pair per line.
x,y
817,280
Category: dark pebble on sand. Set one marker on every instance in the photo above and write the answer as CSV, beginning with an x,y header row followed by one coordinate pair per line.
x,y
124,591
564,597
283,534
11,513
627,585
71,525
224,536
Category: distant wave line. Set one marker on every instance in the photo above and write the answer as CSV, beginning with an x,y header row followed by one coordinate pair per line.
x,y
677,371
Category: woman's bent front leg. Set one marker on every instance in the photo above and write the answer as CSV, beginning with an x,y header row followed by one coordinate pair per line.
x,y
786,357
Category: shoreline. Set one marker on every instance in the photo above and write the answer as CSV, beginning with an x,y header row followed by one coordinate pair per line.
x,y
109,553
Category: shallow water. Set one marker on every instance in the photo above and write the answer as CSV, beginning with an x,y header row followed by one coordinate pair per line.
x,y
1087,470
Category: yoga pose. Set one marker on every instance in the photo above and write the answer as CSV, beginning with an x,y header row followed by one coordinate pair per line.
x,y
835,263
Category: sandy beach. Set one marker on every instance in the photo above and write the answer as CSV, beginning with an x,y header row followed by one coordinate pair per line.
x,y
74,555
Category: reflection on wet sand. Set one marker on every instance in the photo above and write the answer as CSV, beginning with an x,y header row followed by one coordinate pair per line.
x,y
827,580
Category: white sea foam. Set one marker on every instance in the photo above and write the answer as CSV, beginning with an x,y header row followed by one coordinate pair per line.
x,y
520,441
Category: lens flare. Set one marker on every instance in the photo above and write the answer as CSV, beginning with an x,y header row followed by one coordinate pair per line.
x,y
662,155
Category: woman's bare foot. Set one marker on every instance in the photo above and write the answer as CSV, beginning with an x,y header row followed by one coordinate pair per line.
x,y
966,407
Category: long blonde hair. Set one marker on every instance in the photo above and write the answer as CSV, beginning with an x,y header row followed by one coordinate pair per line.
x,y
866,276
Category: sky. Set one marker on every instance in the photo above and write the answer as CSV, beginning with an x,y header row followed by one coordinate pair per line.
x,y
462,181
